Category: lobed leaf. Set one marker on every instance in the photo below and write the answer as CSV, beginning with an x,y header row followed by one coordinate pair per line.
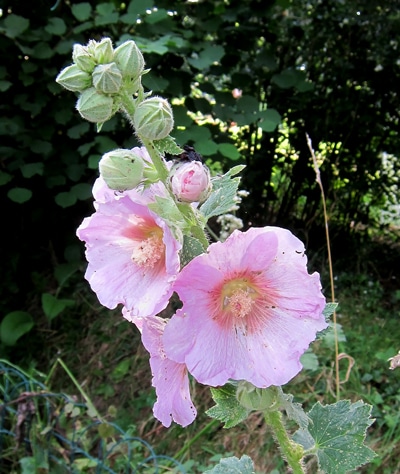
x,y
233,465
227,408
336,435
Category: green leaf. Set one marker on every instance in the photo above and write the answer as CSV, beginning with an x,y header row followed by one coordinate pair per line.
x,y
107,14
19,195
222,198
229,150
293,409
106,430
209,55
81,11
5,85
15,25
121,370
329,309
138,7
167,209
167,145
64,272
156,16
181,116
206,147
269,120
28,465
31,169
227,408
15,325
287,78
233,465
82,191
43,50
329,335
79,130
336,435
5,178
190,249
56,26
154,83
52,306
65,199
309,360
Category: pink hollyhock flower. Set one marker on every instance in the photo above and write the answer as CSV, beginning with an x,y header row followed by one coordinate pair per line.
x,y
133,256
250,310
190,181
170,379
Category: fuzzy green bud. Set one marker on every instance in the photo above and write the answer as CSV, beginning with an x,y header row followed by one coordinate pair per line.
x,y
94,106
121,169
260,399
129,59
102,51
74,79
153,118
107,78
82,58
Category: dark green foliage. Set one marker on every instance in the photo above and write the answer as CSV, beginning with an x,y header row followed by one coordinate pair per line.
x,y
326,68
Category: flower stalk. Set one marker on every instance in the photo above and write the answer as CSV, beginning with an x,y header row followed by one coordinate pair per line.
x,y
291,451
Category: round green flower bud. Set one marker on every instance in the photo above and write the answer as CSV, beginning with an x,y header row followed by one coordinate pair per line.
x,y
74,79
253,398
153,118
94,106
102,51
107,78
82,58
121,169
129,59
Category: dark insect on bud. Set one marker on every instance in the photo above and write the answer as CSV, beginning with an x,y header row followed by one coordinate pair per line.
x,y
190,154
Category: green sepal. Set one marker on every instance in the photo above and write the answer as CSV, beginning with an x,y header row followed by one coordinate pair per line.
x,y
191,248
227,408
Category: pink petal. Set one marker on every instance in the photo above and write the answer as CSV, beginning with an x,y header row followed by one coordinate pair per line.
x,y
170,379
265,345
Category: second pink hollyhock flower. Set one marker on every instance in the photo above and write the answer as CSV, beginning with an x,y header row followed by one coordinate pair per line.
x,y
133,256
250,310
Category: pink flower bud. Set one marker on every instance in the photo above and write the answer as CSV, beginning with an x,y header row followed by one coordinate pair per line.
x,y
190,181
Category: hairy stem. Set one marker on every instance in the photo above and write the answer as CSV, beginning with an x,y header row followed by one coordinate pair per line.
x,y
291,451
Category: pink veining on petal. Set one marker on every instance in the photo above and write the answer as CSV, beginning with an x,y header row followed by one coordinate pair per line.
x,y
250,310
133,258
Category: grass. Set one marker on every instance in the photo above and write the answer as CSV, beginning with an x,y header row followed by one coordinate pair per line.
x,y
104,355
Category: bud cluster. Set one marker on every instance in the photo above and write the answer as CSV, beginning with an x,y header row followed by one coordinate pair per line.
x,y
99,73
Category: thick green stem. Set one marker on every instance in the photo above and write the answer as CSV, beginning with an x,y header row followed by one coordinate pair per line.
x,y
292,452
158,162
196,229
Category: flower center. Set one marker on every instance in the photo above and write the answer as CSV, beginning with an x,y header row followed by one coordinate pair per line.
x,y
238,297
148,251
